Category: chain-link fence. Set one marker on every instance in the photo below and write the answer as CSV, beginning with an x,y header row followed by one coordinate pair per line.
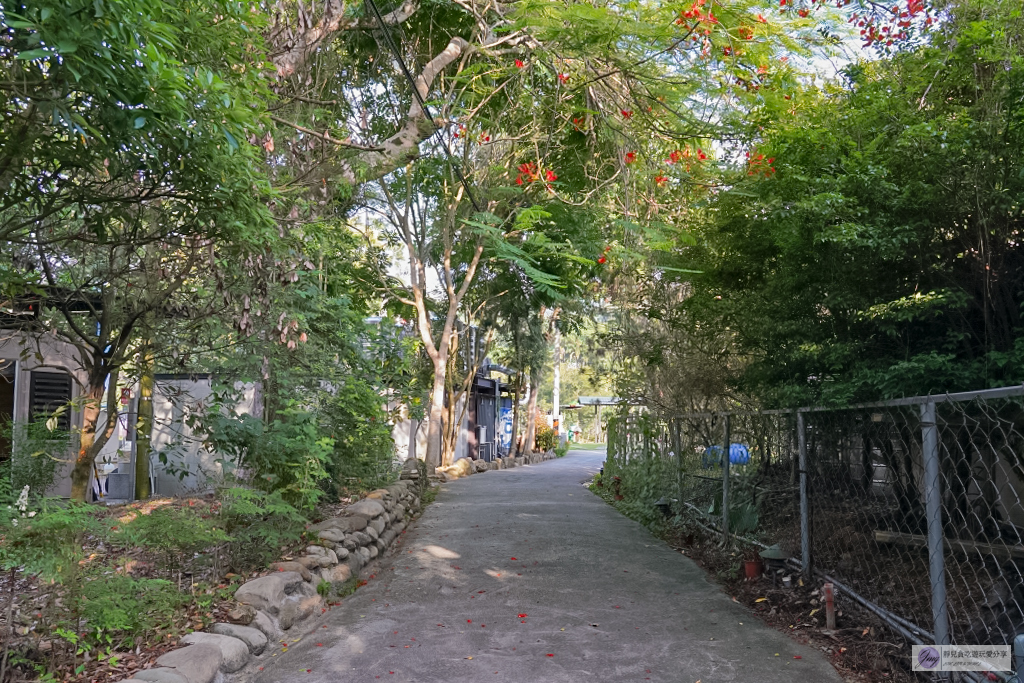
x,y
912,507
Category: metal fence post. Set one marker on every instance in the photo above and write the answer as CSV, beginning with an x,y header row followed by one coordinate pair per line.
x,y
805,517
727,437
933,510
675,430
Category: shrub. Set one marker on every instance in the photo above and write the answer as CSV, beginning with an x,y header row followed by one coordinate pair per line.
x,y
545,435
36,455
259,524
290,455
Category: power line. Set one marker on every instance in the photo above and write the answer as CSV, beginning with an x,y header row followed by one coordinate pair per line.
x,y
423,105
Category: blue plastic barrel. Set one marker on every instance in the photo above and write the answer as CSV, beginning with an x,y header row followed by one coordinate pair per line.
x,y
739,454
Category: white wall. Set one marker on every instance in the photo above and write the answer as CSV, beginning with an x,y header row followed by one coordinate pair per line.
x,y
190,467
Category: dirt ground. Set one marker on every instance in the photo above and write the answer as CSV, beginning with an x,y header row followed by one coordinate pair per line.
x,y
861,648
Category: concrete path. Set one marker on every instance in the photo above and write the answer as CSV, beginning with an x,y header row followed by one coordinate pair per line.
x,y
524,575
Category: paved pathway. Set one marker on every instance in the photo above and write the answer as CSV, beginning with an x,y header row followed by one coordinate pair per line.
x,y
524,575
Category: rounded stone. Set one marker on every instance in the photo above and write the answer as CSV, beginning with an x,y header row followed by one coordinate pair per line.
x,y
291,567
368,508
332,535
197,663
160,674
254,638
234,652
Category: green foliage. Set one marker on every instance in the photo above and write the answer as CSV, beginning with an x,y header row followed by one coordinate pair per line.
x,y
323,588
325,424
36,456
561,450
46,540
121,93
881,259
545,435
259,524
121,611
743,514
178,534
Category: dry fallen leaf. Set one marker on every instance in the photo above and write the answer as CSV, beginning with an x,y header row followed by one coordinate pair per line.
x,y
761,600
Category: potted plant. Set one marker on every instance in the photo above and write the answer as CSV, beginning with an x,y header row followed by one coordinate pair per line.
x,y
752,567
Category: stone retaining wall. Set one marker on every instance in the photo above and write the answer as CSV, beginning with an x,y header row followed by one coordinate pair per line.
x,y
465,467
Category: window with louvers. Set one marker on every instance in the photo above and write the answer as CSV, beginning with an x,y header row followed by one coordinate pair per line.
x,y
49,391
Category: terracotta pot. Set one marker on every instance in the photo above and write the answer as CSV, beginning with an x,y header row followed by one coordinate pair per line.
x,y
752,569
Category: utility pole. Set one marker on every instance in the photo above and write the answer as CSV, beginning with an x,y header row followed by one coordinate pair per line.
x,y
556,409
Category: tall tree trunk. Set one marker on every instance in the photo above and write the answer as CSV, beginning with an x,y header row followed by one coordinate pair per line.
x,y
144,424
513,444
91,443
531,413
435,414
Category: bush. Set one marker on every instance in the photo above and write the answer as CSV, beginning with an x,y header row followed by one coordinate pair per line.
x,y
545,435
259,524
290,455
36,455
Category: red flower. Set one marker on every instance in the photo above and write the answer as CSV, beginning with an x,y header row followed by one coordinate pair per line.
x,y
519,64
745,32
660,179
803,12
726,50
563,77
550,176
626,113
701,155
607,248
761,19
602,259
630,157
675,157
519,180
